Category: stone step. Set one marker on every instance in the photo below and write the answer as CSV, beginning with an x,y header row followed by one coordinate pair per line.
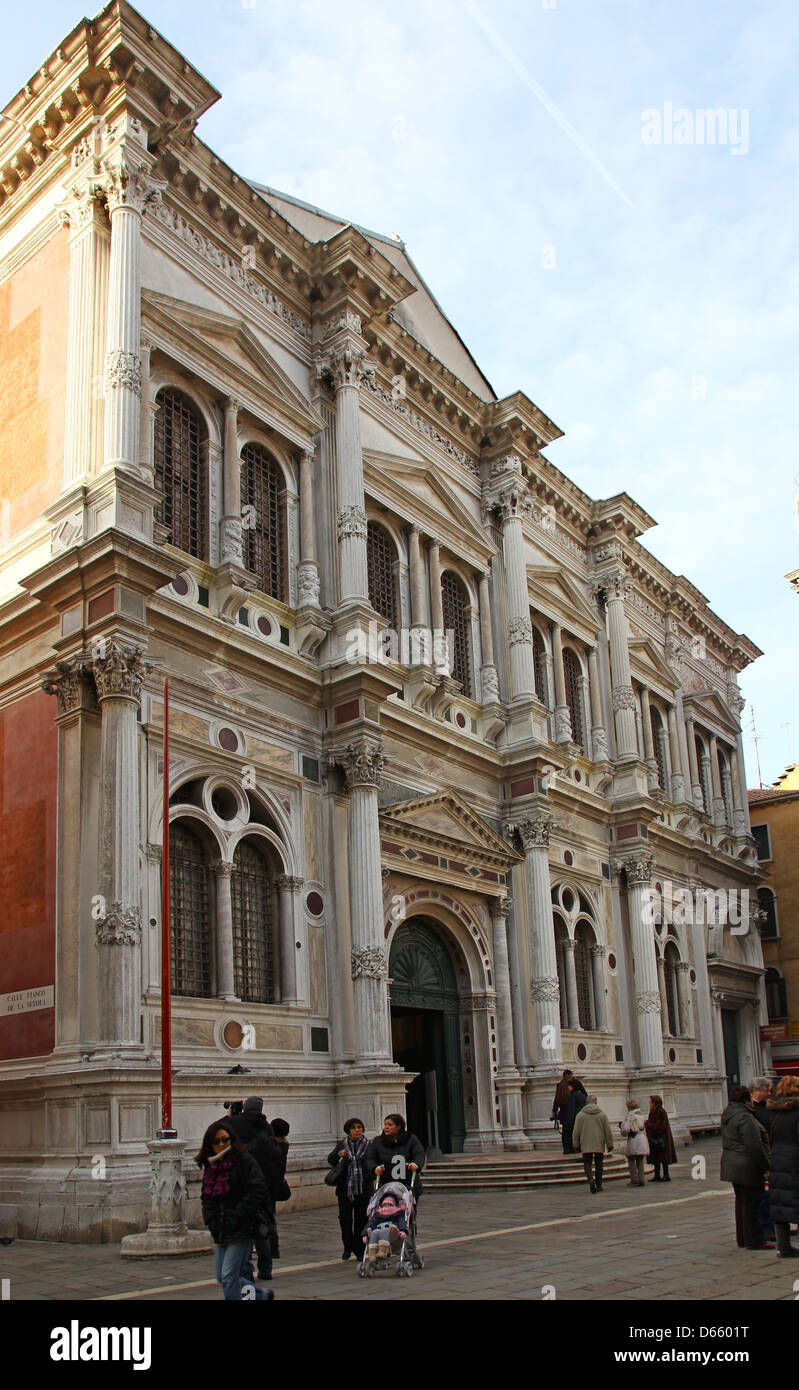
x,y
508,1174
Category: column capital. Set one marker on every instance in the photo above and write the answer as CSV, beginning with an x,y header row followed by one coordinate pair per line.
x,y
155,853
290,883
535,832
499,908
119,670
637,869
616,584
82,206
127,183
345,366
597,950
221,868
362,762
119,927
70,681
684,966
513,502
370,962
569,944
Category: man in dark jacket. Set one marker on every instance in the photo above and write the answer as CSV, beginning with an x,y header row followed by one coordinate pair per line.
x,y
744,1162
784,1172
760,1091
255,1134
395,1155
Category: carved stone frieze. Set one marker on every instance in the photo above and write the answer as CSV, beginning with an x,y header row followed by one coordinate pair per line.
x,y
623,697
119,927
369,962
351,522
345,319
544,989
418,423
648,1002
520,630
508,463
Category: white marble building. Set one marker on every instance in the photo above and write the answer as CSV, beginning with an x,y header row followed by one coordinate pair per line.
x,y
246,450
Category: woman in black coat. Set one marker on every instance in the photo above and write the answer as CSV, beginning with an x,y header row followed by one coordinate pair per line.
x,y
235,1206
352,1187
395,1155
254,1133
784,1172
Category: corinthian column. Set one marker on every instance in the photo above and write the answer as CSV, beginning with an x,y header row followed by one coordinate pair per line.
x,y
225,970
288,886
118,676
647,996
346,367
308,569
544,988
513,504
563,723
128,190
617,587
677,780
362,762
230,549
489,682
599,738
572,1006
508,1080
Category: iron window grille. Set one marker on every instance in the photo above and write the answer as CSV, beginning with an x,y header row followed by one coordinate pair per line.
x,y
540,667
190,941
703,763
768,920
180,474
263,529
380,557
251,894
572,679
670,959
583,938
454,602
561,936
656,725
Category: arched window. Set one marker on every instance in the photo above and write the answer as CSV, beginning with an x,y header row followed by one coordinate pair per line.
x,y
574,694
776,997
658,736
263,528
703,763
180,472
671,957
767,904
584,940
561,936
540,667
455,602
381,555
253,948
190,936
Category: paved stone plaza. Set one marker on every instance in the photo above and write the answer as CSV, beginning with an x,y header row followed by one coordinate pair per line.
x,y
664,1242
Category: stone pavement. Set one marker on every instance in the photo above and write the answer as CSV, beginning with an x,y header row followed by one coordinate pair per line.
x,y
662,1242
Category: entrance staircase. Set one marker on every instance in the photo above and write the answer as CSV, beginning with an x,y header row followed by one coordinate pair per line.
x,y
513,1172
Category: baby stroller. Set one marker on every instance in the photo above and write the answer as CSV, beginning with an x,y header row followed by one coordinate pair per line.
x,y
407,1257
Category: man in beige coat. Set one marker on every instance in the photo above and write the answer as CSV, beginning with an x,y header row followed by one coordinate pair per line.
x,y
592,1135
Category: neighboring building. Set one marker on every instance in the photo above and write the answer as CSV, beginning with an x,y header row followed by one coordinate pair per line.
x,y
774,813
242,446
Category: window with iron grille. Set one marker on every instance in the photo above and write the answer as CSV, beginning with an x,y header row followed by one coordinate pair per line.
x,y
190,940
703,763
584,940
263,535
180,473
540,667
574,694
656,725
670,958
766,903
561,936
455,601
725,778
253,948
381,554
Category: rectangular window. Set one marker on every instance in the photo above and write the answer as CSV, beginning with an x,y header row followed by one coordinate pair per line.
x,y
319,1040
762,841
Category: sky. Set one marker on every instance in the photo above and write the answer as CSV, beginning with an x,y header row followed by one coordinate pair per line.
x,y
542,160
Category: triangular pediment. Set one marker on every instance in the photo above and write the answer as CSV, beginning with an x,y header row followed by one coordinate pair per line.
x,y
556,595
445,821
234,358
417,489
708,707
645,657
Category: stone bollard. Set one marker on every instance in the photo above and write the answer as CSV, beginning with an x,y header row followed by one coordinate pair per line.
x,y
167,1232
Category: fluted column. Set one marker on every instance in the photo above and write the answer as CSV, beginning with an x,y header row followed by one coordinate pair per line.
x,y
508,1080
563,723
617,586
346,367
308,587
88,285
288,886
362,762
598,978
683,969
740,818
677,779
489,681
129,189
544,989
119,673
148,412
664,1007
225,970
599,738
649,743
647,992
512,501
440,644
230,547
696,785
572,1005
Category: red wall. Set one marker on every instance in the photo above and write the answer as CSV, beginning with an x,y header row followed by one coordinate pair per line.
x,y
28,800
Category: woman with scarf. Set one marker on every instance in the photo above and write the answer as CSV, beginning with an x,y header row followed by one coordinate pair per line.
x,y
351,1187
235,1206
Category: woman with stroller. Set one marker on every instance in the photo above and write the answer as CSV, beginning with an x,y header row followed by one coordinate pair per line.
x,y
387,1225
395,1155
352,1187
235,1205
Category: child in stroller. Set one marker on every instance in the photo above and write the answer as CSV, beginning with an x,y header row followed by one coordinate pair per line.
x,y
389,1230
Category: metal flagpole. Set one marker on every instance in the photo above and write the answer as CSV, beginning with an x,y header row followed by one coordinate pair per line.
x,y
166,1131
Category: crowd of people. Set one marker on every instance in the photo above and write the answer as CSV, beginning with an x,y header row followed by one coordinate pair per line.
x,y
243,1159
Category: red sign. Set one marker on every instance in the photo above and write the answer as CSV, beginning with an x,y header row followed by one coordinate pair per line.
x,y
774,1032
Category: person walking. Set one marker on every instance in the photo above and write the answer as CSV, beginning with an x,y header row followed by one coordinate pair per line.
x,y
352,1189
576,1101
235,1205
760,1091
661,1142
634,1126
280,1189
560,1108
784,1167
255,1134
744,1161
592,1135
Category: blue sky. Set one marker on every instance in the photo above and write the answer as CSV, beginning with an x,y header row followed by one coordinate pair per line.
x,y
659,329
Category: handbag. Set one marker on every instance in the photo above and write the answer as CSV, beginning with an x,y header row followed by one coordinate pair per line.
x,y
657,1141
333,1178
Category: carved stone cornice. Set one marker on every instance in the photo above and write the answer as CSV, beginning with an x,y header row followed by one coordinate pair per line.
x,y
362,762
120,927
369,962
119,671
71,683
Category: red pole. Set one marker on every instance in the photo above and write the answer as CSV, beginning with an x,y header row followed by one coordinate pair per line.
x,y
166,1131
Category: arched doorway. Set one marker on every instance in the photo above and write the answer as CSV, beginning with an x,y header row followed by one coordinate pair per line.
x,y
424,1034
